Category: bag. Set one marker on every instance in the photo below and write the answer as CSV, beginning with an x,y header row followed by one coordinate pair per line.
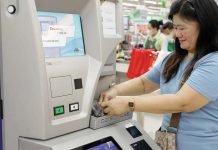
x,y
166,140
141,61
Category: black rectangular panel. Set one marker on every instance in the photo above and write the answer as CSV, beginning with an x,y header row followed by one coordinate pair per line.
x,y
133,131
78,83
141,145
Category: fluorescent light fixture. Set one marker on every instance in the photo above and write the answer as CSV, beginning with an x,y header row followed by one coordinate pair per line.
x,y
150,2
127,10
152,13
152,10
133,0
130,5
152,7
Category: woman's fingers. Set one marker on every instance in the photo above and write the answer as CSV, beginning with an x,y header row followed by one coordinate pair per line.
x,y
101,98
103,104
112,107
106,110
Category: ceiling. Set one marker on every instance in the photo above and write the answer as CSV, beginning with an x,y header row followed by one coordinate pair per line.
x,y
153,7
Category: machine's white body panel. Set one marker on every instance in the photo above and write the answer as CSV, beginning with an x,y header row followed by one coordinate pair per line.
x,y
27,76
32,85
75,140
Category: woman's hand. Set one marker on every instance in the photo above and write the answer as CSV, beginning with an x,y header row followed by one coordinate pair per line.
x,y
109,94
115,106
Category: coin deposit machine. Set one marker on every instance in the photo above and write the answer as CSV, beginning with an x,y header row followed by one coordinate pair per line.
x,y
57,56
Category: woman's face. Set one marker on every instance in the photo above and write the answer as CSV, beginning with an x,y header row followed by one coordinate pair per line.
x,y
153,31
166,31
187,32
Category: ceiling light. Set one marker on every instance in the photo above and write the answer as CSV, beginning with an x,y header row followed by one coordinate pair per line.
x,y
152,7
127,10
150,2
133,0
152,10
152,13
130,5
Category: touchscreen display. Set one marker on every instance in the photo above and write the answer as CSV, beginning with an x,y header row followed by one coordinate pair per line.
x,y
105,146
107,143
61,34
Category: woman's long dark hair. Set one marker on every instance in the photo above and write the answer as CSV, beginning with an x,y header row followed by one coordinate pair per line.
x,y
205,12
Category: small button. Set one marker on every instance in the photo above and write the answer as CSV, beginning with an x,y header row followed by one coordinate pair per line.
x,y
73,107
58,110
11,9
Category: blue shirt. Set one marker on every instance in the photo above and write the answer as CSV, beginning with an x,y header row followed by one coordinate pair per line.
x,y
198,130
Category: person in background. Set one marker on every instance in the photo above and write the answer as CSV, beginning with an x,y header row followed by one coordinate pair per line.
x,y
168,44
154,37
167,28
194,62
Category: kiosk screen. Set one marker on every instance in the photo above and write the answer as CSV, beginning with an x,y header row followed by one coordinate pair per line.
x,y
61,34
107,143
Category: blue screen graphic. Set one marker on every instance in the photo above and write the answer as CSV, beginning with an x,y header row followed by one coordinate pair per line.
x,y
61,34
105,146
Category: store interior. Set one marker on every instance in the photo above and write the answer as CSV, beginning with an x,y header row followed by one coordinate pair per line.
x,y
136,15
57,60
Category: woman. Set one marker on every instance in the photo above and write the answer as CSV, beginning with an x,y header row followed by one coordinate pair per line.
x,y
194,60
167,28
168,44
154,37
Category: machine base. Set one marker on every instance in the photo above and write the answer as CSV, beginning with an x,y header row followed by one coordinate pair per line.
x,y
126,135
